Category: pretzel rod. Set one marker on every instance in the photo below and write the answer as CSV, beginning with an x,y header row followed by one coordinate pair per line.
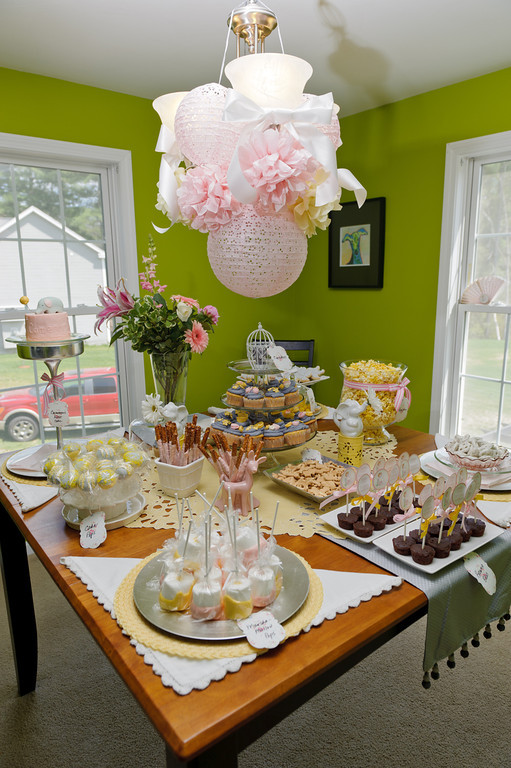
x,y
258,450
205,436
194,419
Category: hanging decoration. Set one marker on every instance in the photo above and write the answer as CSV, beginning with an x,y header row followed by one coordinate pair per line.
x,y
253,166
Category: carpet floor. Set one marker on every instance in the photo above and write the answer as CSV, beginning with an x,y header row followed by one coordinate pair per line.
x,y
376,716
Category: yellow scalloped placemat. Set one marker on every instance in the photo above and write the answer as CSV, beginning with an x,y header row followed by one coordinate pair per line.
x,y
297,516
140,630
23,480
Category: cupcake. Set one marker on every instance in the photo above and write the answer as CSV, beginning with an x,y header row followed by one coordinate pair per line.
x,y
234,394
290,391
295,433
273,437
253,398
274,398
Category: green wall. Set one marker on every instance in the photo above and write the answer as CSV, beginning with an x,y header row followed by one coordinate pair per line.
x,y
397,152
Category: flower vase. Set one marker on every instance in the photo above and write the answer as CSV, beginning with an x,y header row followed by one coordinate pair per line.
x,y
170,372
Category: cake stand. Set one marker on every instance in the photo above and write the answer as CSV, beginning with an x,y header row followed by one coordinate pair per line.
x,y
51,353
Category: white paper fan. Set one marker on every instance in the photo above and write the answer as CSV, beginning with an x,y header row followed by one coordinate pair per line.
x,y
483,290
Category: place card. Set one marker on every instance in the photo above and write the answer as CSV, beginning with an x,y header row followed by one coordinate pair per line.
x,y
280,358
481,572
93,530
262,630
58,413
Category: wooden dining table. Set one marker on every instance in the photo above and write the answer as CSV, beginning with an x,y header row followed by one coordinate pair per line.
x,y
206,727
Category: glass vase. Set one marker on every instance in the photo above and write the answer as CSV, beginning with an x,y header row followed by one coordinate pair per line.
x,y
170,371
379,386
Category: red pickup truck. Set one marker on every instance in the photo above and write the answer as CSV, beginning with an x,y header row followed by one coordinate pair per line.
x,y
96,389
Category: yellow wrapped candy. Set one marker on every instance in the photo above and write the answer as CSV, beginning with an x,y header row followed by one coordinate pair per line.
x,y
68,477
94,443
72,450
123,469
119,443
106,478
87,480
105,452
134,457
52,461
84,462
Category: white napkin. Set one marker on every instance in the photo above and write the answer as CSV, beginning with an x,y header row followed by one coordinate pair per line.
x,y
30,496
102,575
34,461
499,512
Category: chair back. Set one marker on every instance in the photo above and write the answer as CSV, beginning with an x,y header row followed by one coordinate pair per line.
x,y
300,351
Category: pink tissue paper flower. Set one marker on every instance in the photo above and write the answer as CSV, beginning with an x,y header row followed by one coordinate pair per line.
x,y
115,303
277,166
191,302
212,313
205,200
197,337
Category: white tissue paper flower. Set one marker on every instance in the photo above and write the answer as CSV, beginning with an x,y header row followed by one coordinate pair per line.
x,y
151,409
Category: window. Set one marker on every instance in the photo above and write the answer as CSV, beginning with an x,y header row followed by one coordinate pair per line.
x,y
66,225
472,368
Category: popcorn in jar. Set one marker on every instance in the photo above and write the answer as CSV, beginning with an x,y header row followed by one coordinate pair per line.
x,y
383,385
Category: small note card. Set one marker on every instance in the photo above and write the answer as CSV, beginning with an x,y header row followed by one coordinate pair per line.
x,y
280,358
262,630
93,530
58,414
481,572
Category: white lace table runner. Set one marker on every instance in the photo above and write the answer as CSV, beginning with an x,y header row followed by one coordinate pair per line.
x,y
103,575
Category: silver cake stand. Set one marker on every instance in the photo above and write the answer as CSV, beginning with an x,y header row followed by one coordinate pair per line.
x,y
51,353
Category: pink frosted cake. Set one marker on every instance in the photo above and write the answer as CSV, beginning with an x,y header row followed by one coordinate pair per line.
x,y
48,323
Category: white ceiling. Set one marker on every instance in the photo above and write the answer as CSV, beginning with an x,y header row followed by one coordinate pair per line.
x,y
368,52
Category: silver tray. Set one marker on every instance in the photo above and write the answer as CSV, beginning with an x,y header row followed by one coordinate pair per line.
x,y
49,350
295,588
300,491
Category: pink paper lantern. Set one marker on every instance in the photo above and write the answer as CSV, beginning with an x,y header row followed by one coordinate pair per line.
x,y
256,255
202,135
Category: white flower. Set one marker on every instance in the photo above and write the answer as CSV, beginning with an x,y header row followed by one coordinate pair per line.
x,y
177,413
183,311
151,409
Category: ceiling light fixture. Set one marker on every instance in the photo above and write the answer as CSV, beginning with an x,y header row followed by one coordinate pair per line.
x,y
254,166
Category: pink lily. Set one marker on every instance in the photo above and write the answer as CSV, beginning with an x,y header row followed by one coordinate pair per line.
x,y
115,303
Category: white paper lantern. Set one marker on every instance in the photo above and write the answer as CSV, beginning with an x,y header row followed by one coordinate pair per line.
x,y
203,137
256,255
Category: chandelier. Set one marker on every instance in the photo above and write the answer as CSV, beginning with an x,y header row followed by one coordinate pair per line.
x,y
253,166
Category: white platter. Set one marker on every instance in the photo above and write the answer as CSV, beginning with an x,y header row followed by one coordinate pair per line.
x,y
134,507
331,518
433,472
491,532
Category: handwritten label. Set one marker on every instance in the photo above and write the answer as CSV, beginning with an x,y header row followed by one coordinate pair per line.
x,y
93,530
262,630
311,400
481,572
280,358
311,454
58,413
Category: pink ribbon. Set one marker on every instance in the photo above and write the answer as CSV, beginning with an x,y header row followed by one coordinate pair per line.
x,y
401,389
55,381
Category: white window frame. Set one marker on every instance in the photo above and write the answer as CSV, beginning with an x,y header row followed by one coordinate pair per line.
x,y
450,315
114,166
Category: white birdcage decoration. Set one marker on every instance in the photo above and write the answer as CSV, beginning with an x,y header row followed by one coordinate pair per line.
x,y
257,347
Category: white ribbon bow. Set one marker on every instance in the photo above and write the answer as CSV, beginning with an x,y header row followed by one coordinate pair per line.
x,y
167,182
300,124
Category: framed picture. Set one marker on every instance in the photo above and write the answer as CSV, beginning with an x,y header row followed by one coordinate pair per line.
x,y
356,245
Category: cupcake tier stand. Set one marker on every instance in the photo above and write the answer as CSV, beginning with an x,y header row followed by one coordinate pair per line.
x,y
51,353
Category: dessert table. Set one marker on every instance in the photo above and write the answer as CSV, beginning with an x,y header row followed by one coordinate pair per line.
x,y
206,727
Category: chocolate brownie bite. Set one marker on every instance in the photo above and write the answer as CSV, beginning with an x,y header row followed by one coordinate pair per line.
x,y
455,540
422,555
364,530
377,521
442,547
465,533
346,520
402,545
476,526
415,535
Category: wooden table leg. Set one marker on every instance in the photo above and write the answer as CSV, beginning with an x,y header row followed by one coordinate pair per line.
x,y
223,755
20,604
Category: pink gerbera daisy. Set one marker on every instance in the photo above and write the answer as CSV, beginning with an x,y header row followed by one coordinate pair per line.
x,y
197,337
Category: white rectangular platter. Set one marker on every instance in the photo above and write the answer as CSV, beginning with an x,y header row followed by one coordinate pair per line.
x,y
331,518
491,532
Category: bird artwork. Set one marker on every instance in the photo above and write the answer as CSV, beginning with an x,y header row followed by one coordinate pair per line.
x,y
354,241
